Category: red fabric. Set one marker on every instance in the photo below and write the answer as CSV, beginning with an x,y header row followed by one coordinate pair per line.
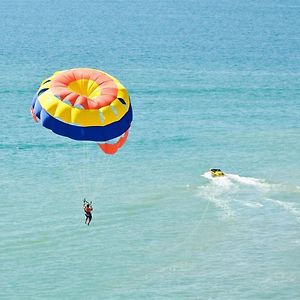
x,y
113,148
109,90
34,117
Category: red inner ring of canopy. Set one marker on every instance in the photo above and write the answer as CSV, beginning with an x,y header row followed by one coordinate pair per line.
x,y
60,88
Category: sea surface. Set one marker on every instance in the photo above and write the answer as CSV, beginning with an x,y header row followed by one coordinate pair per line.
x,y
213,84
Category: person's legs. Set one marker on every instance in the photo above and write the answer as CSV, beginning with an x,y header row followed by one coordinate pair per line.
x,y
89,219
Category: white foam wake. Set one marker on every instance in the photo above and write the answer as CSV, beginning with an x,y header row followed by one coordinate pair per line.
x,y
231,179
227,191
230,192
222,181
290,207
217,193
248,181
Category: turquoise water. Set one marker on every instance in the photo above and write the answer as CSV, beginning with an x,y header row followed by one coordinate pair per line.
x,y
213,84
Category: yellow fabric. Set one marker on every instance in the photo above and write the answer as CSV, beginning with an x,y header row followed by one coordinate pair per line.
x,y
85,87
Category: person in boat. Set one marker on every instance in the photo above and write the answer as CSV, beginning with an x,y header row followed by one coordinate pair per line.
x,y
87,207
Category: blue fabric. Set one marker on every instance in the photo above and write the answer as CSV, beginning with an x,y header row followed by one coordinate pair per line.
x,y
34,100
37,108
90,133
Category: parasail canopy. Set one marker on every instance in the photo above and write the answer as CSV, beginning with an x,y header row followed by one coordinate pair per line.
x,y
86,105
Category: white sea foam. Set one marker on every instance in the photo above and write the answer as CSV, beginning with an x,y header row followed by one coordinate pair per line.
x,y
231,179
290,207
225,191
246,180
224,204
254,204
217,192
228,191
222,181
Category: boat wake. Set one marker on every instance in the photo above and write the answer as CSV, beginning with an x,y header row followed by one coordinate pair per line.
x,y
227,191
231,192
289,207
231,179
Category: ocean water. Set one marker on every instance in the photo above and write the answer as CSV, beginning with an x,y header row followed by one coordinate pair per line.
x,y
213,84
